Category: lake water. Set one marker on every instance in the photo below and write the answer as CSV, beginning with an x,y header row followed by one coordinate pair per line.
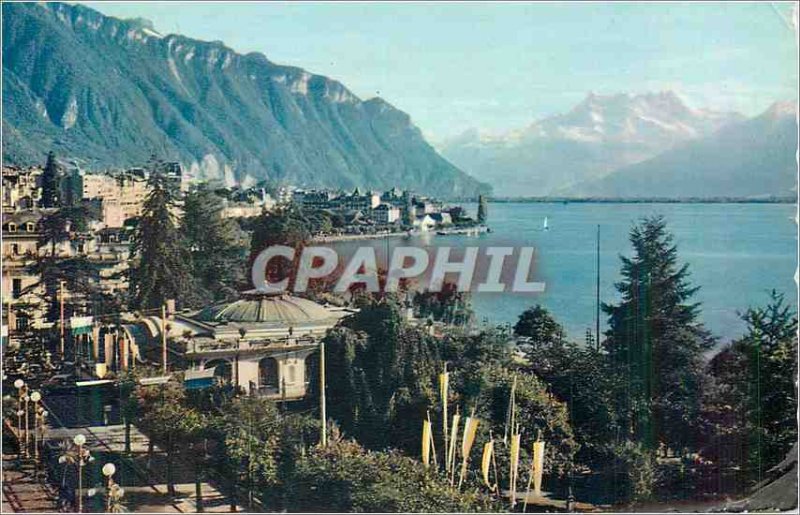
x,y
736,253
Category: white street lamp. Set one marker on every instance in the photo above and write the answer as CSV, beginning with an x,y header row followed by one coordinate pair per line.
x,y
79,440
22,393
27,398
109,469
36,397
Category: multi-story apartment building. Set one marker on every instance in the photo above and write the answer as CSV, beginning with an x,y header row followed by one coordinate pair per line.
x,y
121,196
385,214
22,188
24,292
23,307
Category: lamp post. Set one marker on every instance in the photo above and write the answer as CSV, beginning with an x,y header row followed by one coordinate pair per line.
x,y
83,457
42,419
36,397
22,391
27,399
114,492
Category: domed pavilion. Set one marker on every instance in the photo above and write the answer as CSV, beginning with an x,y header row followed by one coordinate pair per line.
x,y
260,342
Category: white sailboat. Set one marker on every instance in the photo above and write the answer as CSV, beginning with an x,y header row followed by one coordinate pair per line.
x,y
545,227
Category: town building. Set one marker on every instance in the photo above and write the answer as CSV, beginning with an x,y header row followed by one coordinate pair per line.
x,y
22,188
23,306
261,342
23,288
385,214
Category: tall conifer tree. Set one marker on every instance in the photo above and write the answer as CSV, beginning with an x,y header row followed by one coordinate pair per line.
x,y
51,182
215,244
655,340
162,264
483,211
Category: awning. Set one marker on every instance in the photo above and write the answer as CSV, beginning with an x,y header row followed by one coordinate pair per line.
x,y
198,379
81,325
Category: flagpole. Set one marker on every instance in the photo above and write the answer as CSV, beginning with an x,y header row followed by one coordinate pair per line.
x,y
433,444
323,414
528,488
164,338
444,385
61,295
494,466
597,294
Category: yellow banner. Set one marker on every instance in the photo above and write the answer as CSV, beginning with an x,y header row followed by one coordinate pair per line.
x,y
470,428
538,467
451,453
488,449
426,443
514,466
444,385
100,370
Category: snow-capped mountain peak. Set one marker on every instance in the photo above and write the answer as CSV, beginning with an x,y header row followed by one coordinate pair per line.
x,y
650,118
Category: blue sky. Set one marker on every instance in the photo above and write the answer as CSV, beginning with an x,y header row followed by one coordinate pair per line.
x,y
500,66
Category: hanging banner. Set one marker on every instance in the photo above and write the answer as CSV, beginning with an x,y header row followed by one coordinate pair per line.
x,y
100,370
451,453
470,428
538,467
514,465
426,443
80,325
488,449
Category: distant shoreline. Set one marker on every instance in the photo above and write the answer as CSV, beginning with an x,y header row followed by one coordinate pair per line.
x,y
649,200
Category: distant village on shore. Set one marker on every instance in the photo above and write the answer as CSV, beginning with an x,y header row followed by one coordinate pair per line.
x,y
115,200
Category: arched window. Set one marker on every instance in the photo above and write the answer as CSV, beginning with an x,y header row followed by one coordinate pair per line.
x,y
222,369
268,373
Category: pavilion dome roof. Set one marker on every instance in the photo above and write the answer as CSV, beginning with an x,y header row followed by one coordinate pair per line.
x,y
257,306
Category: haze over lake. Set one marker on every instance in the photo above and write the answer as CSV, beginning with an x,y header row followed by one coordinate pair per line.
x,y
736,253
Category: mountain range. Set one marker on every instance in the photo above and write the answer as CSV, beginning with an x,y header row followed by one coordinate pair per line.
x,y
751,158
106,92
637,146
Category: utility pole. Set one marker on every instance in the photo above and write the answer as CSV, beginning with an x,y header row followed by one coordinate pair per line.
x,y
597,294
323,414
61,298
164,338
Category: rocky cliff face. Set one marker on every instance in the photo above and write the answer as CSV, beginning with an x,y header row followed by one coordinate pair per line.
x,y
110,92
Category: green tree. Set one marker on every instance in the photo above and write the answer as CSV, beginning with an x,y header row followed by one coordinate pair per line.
x,y
483,210
215,244
387,376
51,182
163,414
248,433
286,226
448,305
193,432
65,224
656,340
539,325
750,411
582,378
161,264
345,477
536,412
